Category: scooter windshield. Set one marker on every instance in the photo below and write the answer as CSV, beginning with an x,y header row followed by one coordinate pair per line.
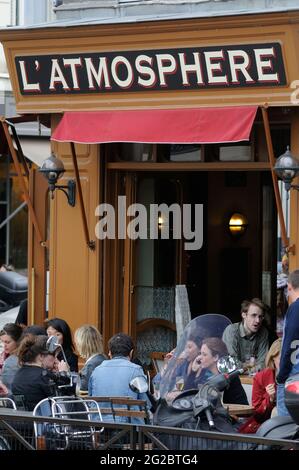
x,y
194,360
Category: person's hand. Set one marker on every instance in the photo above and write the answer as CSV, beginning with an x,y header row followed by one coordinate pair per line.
x,y
270,389
196,364
62,366
55,365
169,356
170,396
166,360
3,389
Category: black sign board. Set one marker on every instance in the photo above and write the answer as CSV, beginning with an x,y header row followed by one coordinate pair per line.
x,y
211,67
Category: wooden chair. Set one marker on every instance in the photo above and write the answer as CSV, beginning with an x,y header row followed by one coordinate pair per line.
x,y
157,359
118,408
122,407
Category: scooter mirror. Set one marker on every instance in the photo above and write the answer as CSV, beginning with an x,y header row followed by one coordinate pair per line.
x,y
52,344
227,364
139,384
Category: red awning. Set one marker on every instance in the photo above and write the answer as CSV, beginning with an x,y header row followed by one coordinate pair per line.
x,y
161,126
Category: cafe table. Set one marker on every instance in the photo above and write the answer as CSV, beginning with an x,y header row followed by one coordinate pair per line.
x,y
247,382
239,410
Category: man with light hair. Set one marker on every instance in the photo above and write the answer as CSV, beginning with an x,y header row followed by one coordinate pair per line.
x,y
289,360
248,338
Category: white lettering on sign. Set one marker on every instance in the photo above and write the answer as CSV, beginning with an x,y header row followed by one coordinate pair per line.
x,y
245,65
190,68
99,75
214,65
115,67
166,65
263,59
144,70
27,86
73,64
239,67
57,76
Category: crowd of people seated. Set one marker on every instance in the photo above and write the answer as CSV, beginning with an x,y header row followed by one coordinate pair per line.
x,y
32,370
27,365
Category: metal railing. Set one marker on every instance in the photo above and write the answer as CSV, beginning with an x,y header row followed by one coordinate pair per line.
x,y
17,432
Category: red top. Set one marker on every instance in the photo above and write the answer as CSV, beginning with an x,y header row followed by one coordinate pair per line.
x,y
260,401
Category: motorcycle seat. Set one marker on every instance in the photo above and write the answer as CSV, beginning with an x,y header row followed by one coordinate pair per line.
x,y
279,427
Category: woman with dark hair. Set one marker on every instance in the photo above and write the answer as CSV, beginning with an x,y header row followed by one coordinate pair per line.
x,y
59,327
35,330
189,354
10,337
32,380
3,355
211,350
183,376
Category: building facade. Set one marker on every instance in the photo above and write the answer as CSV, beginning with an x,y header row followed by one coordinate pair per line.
x,y
34,139
137,68
85,9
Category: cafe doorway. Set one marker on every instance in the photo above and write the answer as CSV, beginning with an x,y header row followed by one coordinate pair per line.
x,y
226,270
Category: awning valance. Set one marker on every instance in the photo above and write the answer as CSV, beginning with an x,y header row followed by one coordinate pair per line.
x,y
161,126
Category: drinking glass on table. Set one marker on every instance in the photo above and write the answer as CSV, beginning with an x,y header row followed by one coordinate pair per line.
x,y
179,383
250,363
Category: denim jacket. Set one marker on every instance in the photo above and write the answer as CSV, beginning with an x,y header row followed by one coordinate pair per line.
x,y
112,378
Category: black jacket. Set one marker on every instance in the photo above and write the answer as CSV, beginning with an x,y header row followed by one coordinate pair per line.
x,y
33,383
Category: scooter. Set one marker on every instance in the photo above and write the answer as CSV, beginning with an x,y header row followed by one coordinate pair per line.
x,y
176,408
142,385
199,409
190,396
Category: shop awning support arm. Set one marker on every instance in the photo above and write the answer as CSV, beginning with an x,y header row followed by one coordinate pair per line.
x,y
90,243
20,151
17,165
285,241
13,214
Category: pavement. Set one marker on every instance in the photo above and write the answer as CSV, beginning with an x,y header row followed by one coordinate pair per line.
x,y
9,316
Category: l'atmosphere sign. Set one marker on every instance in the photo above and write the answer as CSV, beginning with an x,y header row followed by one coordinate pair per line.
x,y
226,66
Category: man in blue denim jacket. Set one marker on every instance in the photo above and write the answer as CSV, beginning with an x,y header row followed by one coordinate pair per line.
x,y
112,377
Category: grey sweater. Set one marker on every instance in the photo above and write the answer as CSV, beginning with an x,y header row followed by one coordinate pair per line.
x,y
239,345
88,369
10,368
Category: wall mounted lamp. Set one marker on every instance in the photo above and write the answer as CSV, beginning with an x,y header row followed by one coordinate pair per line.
x,y
53,169
237,224
286,169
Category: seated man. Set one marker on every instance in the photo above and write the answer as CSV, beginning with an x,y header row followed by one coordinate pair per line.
x,y
248,338
112,377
